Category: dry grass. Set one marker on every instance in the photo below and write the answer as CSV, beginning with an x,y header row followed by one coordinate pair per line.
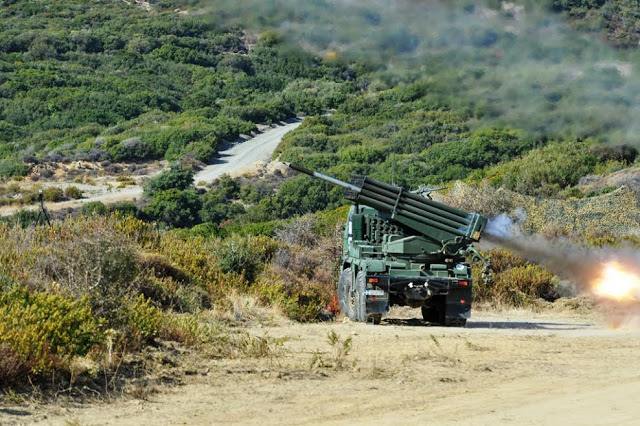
x,y
245,309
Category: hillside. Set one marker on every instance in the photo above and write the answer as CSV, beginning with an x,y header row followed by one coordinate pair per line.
x,y
512,106
409,106
113,81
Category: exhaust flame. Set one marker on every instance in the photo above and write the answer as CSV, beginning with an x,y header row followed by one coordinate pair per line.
x,y
617,283
610,274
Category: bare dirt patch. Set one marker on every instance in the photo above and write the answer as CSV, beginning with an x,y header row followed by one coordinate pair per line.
x,y
504,367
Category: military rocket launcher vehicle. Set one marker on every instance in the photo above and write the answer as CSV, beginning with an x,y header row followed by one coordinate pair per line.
x,y
405,249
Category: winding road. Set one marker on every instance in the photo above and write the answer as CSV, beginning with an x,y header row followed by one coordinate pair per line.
x,y
238,157
235,159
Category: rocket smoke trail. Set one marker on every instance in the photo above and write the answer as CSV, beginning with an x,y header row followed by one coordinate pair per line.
x,y
579,264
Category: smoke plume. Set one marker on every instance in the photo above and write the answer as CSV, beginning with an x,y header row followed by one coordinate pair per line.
x,y
582,266
514,63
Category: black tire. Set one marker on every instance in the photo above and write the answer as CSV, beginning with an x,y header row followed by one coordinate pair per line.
x,y
431,314
433,310
360,305
376,318
344,288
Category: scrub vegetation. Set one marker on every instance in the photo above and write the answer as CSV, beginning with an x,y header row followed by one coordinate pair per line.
x,y
518,96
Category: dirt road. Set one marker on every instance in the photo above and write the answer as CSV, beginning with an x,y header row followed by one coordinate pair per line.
x,y
235,159
513,368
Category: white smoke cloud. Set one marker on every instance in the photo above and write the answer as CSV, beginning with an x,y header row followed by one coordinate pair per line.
x,y
512,63
506,226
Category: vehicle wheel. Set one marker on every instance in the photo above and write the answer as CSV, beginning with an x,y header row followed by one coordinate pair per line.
x,y
360,303
433,310
431,314
376,319
344,289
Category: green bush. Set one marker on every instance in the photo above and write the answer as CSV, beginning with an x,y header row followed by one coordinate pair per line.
x,y
217,208
516,282
24,218
13,167
187,329
94,208
546,171
244,255
142,322
44,331
174,208
73,192
53,194
131,149
124,208
304,304
177,177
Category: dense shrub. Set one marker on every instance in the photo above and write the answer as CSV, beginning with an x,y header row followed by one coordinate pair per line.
x,y
73,192
625,154
141,322
244,255
13,167
307,303
177,177
99,264
132,149
516,282
217,208
302,277
174,208
24,218
94,208
124,208
53,194
42,332
548,170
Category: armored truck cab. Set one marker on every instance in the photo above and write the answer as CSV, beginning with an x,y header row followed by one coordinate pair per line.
x,y
404,249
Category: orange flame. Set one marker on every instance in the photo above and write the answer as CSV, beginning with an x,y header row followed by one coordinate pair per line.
x,y
617,283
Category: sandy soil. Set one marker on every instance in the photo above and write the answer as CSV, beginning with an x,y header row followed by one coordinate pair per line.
x,y
235,159
508,368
